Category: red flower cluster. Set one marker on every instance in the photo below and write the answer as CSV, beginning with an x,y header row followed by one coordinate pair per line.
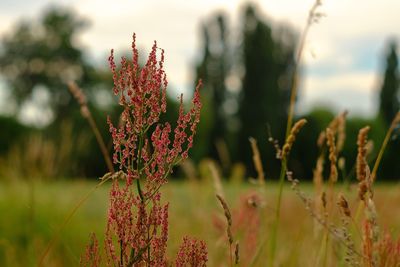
x,y
92,255
192,253
142,94
137,225
140,231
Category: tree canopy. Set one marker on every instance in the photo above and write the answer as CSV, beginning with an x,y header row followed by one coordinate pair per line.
x,y
45,55
389,94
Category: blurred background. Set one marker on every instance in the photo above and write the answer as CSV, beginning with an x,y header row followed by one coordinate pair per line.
x,y
243,52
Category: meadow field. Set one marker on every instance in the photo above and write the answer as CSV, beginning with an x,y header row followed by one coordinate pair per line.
x,y
174,183
26,229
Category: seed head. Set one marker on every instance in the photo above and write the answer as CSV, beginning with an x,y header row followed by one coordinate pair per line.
x,y
344,206
292,137
330,140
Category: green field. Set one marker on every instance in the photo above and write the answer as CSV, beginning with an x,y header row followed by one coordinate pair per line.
x,y
26,229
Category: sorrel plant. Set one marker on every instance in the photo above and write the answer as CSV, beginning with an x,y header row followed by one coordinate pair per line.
x,y
145,151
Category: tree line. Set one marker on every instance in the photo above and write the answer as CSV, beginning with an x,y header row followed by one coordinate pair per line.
x,y
246,74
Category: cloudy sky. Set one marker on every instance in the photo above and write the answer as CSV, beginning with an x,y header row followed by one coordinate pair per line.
x,y
343,54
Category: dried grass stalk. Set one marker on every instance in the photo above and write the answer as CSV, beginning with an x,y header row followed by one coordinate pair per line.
x,y
362,165
318,178
81,99
362,153
330,140
228,217
338,126
237,253
341,131
257,161
335,232
216,178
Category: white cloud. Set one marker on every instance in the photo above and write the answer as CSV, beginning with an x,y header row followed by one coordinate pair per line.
x,y
358,81
351,33
355,92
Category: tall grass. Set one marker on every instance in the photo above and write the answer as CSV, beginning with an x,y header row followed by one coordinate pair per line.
x,y
342,229
313,17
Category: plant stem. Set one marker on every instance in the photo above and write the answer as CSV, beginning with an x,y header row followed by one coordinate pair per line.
x,y
326,248
293,94
138,161
121,253
31,224
230,254
148,247
294,85
395,120
101,143
66,221
274,234
80,97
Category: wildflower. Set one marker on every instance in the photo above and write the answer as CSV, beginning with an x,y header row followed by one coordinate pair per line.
x,y
192,253
137,223
92,255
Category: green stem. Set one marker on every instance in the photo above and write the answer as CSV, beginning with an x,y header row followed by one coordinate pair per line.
x,y
148,248
31,225
67,219
294,85
274,234
101,143
121,256
326,248
383,147
176,161
139,189
378,159
293,94
230,255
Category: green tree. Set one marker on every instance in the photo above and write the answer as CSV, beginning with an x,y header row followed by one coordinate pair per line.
x,y
213,70
268,58
45,55
14,131
38,57
389,98
389,106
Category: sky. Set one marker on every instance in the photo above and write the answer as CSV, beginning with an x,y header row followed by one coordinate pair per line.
x,y
343,56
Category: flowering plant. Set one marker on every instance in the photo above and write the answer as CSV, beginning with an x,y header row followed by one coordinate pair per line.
x,y
137,225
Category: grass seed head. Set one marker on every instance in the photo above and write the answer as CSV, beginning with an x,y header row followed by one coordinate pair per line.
x,y
292,137
257,161
323,200
330,140
362,153
228,217
344,206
